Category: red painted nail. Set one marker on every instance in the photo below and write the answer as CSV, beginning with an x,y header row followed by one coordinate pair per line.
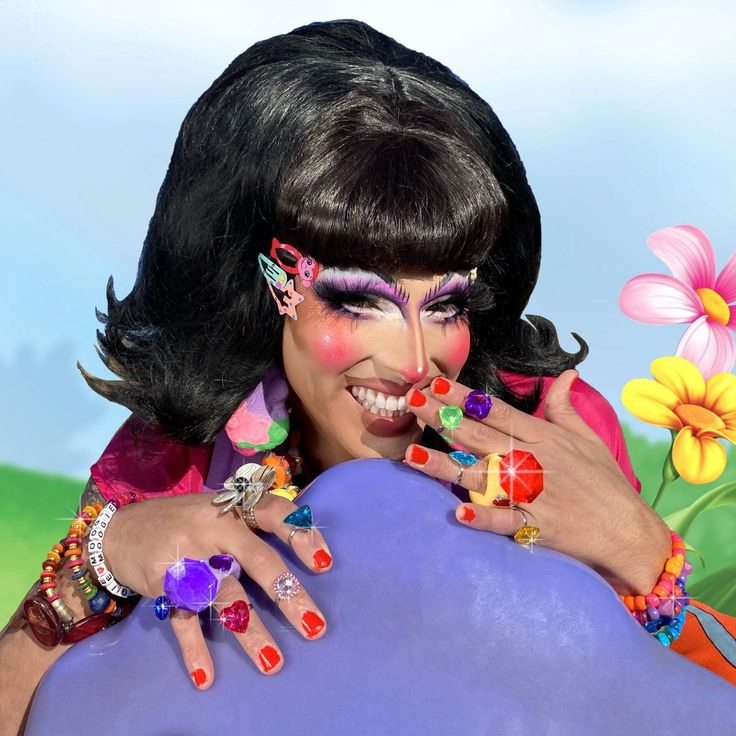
x,y
441,386
199,676
417,398
322,559
468,514
418,455
269,658
312,623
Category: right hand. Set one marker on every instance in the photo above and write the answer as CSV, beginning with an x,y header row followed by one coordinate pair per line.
x,y
141,535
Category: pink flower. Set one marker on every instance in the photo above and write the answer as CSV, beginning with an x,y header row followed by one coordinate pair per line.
x,y
692,294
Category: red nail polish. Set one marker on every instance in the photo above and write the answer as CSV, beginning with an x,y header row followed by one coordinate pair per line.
x,y
468,514
199,676
418,455
269,658
441,386
322,559
417,398
312,623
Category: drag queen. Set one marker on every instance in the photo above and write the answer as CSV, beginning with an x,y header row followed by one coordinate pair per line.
x,y
336,268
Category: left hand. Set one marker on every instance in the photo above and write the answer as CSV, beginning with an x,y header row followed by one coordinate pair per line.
x,y
587,510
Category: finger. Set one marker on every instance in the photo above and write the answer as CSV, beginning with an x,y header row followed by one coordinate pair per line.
x,y
248,628
502,416
478,437
558,407
309,545
440,465
194,651
504,521
266,568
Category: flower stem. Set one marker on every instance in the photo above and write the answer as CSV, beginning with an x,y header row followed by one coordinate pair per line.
x,y
669,473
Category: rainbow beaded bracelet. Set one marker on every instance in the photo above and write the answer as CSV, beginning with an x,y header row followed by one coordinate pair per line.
x,y
662,612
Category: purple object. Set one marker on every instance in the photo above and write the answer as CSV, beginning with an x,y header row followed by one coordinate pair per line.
x,y
433,628
190,584
478,404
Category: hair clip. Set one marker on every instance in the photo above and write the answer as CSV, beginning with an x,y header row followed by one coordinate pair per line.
x,y
473,275
280,286
304,266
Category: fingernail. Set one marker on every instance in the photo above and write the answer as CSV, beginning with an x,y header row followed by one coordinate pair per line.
x,y
322,559
468,514
312,623
199,676
440,386
418,455
416,398
269,658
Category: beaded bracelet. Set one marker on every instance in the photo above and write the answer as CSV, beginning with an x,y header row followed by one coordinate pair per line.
x,y
662,612
97,556
49,618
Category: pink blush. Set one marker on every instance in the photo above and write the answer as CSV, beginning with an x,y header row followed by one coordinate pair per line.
x,y
457,349
335,349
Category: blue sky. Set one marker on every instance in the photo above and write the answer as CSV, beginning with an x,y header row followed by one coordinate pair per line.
x,y
623,113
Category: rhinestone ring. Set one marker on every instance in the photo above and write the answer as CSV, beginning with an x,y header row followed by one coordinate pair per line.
x,y
285,586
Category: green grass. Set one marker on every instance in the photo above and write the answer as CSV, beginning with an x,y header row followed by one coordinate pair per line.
x,y
35,512
36,508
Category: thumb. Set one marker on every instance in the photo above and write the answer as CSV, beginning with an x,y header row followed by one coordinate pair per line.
x,y
557,406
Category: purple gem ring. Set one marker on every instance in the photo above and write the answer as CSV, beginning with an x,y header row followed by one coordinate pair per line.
x,y
193,584
477,404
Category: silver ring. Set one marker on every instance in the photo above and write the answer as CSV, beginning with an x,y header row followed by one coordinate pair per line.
x,y
293,532
526,521
249,518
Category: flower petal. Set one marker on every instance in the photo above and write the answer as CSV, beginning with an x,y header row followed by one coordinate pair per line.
x,y
659,299
681,377
651,402
726,281
698,460
727,434
709,345
720,394
732,318
688,253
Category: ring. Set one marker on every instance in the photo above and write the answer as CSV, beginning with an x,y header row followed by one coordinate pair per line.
x,y
526,534
293,532
236,616
193,584
286,586
450,416
478,404
459,477
521,476
245,489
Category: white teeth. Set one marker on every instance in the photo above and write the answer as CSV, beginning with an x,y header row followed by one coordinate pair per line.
x,y
385,405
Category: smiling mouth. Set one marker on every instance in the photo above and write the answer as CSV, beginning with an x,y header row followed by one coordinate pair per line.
x,y
379,403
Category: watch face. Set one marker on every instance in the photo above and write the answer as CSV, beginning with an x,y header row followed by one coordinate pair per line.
x,y
86,627
43,621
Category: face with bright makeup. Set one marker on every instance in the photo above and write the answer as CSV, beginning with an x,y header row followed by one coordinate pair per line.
x,y
361,340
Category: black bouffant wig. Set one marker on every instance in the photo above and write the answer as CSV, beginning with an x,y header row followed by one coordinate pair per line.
x,y
358,151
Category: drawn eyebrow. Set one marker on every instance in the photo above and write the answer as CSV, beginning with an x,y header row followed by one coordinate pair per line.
x,y
448,284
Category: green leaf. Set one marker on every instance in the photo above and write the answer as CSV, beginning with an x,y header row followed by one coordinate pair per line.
x,y
682,520
718,590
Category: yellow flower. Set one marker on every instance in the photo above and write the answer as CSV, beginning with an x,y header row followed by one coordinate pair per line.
x,y
682,400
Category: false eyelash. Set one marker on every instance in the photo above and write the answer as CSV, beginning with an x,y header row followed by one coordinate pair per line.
x,y
474,297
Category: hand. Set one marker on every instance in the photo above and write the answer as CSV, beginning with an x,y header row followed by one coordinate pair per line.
x,y
144,538
587,510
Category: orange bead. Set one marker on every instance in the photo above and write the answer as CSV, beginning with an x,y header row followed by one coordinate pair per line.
x,y
668,576
639,603
677,591
111,606
73,552
629,602
58,548
97,506
54,556
674,564
660,591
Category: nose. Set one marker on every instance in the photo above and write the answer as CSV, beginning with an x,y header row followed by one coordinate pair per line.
x,y
411,354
